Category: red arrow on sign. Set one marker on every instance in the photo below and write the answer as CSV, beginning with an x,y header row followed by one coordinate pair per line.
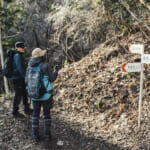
x,y
123,67
132,67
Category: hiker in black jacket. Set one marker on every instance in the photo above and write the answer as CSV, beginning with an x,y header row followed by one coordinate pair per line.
x,y
18,78
45,100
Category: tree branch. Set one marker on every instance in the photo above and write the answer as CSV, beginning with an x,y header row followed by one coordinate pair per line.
x,y
13,36
133,15
145,4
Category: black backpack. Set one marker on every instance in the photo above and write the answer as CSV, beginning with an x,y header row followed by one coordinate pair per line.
x,y
8,65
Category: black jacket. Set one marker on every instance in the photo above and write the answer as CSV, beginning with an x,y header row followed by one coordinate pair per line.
x,y
47,70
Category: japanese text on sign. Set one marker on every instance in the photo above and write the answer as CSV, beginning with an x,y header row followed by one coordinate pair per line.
x,y
132,67
136,48
146,58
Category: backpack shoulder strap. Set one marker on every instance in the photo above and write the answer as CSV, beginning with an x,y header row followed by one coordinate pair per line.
x,y
40,65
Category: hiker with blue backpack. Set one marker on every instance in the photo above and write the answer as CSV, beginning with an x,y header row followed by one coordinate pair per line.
x,y
38,78
17,75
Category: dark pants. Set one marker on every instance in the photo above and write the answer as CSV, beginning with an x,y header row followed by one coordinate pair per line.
x,y
47,118
47,104
20,93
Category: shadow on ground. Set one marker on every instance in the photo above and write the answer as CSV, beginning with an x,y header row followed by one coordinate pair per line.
x,y
16,135
69,139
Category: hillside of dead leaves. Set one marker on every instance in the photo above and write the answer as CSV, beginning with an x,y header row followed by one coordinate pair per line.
x,y
95,104
103,100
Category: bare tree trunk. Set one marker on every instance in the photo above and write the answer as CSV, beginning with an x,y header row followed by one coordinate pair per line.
x,y
2,63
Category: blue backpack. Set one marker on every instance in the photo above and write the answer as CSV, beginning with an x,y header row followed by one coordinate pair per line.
x,y
35,87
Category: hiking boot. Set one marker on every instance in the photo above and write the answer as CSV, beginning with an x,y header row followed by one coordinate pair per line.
x,y
47,132
47,142
35,129
18,115
28,111
48,138
35,138
35,135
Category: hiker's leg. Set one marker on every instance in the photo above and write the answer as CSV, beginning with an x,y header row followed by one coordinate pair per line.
x,y
24,93
35,119
27,110
47,119
17,97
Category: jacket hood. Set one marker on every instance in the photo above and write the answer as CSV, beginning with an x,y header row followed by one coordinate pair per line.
x,y
35,61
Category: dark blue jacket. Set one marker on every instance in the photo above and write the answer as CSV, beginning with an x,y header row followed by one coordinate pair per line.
x,y
18,66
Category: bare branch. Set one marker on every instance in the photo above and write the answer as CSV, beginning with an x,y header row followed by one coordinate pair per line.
x,y
145,4
13,36
133,15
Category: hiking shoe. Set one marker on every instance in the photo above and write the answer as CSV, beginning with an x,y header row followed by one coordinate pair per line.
x,y
47,142
35,139
28,111
47,138
18,115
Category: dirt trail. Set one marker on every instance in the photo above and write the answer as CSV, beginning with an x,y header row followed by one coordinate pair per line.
x,y
16,135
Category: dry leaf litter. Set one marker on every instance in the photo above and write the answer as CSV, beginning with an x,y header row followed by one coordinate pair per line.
x,y
98,95
96,98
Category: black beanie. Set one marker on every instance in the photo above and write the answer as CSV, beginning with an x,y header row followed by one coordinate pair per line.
x,y
19,44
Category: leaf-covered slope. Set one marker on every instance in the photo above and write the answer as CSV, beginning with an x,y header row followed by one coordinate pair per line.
x,y
95,93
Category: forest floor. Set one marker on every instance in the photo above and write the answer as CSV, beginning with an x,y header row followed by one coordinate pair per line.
x,y
15,134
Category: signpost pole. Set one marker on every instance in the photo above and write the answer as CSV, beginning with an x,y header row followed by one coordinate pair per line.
x,y
140,97
141,91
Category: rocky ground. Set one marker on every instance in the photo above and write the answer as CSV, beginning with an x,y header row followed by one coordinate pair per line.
x,y
96,105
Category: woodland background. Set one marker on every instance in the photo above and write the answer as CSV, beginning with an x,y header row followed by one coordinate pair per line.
x,y
89,39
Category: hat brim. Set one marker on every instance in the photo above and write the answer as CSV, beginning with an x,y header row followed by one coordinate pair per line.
x,y
42,53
